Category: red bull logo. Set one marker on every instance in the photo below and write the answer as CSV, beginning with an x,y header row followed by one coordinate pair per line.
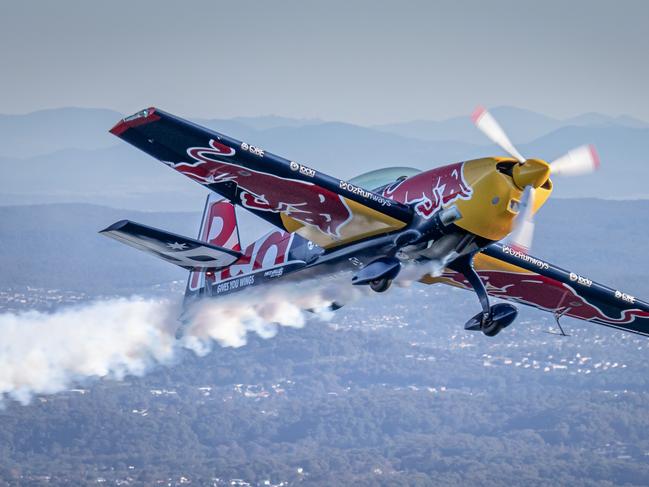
x,y
269,251
428,191
219,227
301,200
546,294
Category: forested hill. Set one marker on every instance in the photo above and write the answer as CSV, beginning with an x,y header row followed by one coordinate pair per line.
x,y
391,391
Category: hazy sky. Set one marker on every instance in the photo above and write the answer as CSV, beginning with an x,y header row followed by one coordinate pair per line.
x,y
358,61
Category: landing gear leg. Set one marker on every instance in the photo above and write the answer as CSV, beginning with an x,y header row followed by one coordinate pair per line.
x,y
492,319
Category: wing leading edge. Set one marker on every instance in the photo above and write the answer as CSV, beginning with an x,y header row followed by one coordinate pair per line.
x,y
515,276
291,196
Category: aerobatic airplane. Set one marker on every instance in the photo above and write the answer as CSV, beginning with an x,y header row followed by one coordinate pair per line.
x,y
473,219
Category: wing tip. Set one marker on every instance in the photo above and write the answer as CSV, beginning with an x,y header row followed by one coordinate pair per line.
x,y
142,117
115,226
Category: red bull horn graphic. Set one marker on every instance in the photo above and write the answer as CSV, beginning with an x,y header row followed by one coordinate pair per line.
x,y
546,294
269,251
222,226
260,191
430,190
219,228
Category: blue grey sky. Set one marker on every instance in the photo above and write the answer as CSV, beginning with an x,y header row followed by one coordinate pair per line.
x,y
358,61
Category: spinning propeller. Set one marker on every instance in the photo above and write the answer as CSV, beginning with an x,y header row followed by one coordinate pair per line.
x,y
530,174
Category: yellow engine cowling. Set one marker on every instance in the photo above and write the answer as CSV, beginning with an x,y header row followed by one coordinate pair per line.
x,y
495,198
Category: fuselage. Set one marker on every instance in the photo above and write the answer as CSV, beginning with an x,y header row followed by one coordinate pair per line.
x,y
482,191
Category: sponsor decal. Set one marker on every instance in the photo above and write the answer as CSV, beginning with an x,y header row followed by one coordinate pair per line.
x,y
235,284
527,258
274,272
304,170
580,280
357,190
259,191
430,190
255,151
625,297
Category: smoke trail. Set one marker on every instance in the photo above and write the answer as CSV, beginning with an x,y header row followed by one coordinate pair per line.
x,y
44,353
411,273
228,320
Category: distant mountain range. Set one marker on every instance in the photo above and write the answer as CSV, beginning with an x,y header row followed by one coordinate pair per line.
x,y
48,131
67,155
521,125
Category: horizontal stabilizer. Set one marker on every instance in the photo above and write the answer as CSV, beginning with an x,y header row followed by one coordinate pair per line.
x,y
185,252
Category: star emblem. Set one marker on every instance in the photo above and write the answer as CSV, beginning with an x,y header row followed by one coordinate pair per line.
x,y
177,246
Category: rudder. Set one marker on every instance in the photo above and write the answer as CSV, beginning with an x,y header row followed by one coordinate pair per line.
x,y
218,227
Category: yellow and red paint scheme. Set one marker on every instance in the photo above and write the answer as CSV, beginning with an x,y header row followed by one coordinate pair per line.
x,y
486,191
339,225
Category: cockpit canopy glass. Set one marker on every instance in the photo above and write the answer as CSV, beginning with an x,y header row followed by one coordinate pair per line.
x,y
381,177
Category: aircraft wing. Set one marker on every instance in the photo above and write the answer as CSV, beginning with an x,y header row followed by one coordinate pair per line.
x,y
515,276
290,195
185,252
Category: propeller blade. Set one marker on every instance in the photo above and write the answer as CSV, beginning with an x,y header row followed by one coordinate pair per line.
x,y
490,127
523,228
582,160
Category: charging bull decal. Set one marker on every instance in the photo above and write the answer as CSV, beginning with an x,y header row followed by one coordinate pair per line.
x,y
219,227
259,191
269,251
430,190
547,294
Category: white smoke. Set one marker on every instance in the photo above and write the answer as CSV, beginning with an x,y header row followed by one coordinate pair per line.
x,y
412,272
45,353
228,320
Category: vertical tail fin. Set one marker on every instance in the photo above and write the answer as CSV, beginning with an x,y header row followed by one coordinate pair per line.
x,y
218,227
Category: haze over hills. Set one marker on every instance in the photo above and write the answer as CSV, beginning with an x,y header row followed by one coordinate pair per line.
x,y
522,125
623,152
67,155
392,391
117,176
271,121
47,131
